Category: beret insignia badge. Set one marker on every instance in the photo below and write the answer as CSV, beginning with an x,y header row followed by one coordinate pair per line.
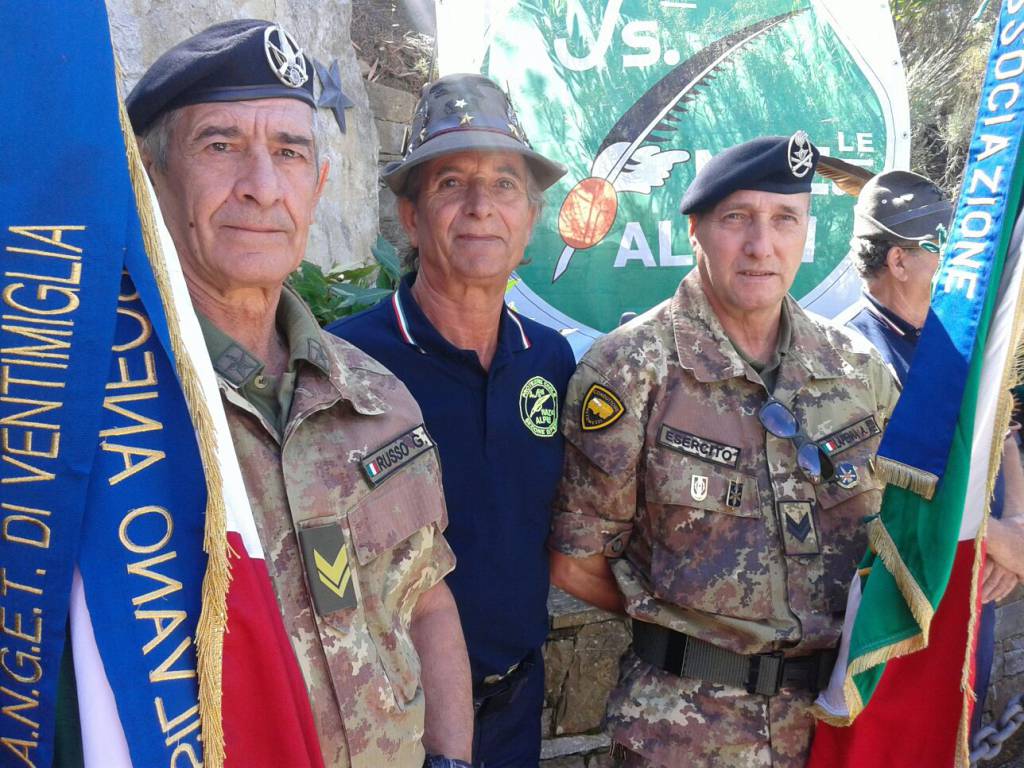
x,y
285,57
601,408
800,154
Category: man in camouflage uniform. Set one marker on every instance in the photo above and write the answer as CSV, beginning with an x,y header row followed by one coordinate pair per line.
x,y
227,126
717,475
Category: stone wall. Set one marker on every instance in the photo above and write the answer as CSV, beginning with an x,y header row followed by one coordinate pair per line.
x,y
392,110
346,224
581,659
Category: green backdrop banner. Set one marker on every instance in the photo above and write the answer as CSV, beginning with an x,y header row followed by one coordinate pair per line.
x,y
634,96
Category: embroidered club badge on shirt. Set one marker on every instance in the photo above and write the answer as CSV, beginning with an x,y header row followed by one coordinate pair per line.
x,y
538,406
381,463
328,570
601,408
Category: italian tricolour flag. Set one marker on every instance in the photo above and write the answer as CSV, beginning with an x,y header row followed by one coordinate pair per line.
x,y
901,695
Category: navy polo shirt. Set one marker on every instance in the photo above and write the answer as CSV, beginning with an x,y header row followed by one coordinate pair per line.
x,y
501,459
896,340
890,334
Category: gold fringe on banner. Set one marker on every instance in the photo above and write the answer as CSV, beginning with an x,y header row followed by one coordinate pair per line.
x,y
213,616
905,476
1013,374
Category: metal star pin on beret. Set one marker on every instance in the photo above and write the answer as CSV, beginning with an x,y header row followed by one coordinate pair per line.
x,y
235,60
466,112
331,95
780,164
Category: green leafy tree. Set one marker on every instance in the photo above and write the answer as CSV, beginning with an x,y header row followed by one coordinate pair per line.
x,y
341,292
945,45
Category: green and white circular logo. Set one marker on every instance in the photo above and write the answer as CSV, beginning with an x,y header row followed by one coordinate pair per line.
x,y
538,406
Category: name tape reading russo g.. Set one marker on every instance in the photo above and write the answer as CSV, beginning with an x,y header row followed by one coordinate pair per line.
x,y
382,462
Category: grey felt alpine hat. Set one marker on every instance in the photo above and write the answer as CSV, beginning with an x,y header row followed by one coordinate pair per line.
x,y
460,113
903,207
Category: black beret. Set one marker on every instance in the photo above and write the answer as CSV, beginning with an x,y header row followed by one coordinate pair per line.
x,y
769,164
466,112
901,206
231,61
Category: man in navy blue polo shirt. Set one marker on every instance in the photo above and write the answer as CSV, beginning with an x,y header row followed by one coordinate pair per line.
x,y
898,221
490,384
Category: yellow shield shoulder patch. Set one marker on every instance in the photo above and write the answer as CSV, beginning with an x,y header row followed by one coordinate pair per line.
x,y
601,408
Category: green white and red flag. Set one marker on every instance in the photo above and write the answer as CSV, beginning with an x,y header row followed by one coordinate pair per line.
x,y
901,695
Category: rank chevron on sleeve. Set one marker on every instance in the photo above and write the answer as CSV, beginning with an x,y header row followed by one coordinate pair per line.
x,y
335,575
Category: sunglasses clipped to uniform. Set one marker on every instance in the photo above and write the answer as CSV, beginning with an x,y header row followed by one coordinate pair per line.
x,y
778,420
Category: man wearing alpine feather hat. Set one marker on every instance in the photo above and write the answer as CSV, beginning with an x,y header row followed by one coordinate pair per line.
x,y
716,480
227,126
490,383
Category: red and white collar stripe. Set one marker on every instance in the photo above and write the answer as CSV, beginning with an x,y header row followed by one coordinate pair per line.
x,y
519,325
403,323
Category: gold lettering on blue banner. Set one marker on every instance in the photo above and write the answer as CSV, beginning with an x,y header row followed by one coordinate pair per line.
x,y
135,457
39,296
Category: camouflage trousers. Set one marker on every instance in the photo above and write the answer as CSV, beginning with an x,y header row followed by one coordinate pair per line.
x,y
659,720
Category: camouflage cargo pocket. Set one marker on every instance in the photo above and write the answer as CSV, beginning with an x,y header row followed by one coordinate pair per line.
x,y
844,502
387,536
710,538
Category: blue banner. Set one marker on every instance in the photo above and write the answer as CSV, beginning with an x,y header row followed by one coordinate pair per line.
x,y
971,265
141,552
96,469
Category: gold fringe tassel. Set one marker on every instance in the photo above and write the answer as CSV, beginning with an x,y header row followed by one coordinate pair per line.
x,y
213,616
963,732
886,548
1013,374
905,476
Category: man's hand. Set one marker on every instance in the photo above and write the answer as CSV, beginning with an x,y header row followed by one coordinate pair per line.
x,y
447,686
996,581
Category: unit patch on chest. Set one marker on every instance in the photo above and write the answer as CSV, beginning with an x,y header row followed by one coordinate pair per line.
x,y
694,445
849,436
382,462
328,569
734,496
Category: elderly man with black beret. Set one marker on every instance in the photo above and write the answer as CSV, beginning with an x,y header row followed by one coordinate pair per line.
x,y
716,480
337,465
490,383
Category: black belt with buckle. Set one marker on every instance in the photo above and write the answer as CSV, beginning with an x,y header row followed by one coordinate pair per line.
x,y
760,673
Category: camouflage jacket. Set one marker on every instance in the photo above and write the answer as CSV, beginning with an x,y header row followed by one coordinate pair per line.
x,y
352,425
711,527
